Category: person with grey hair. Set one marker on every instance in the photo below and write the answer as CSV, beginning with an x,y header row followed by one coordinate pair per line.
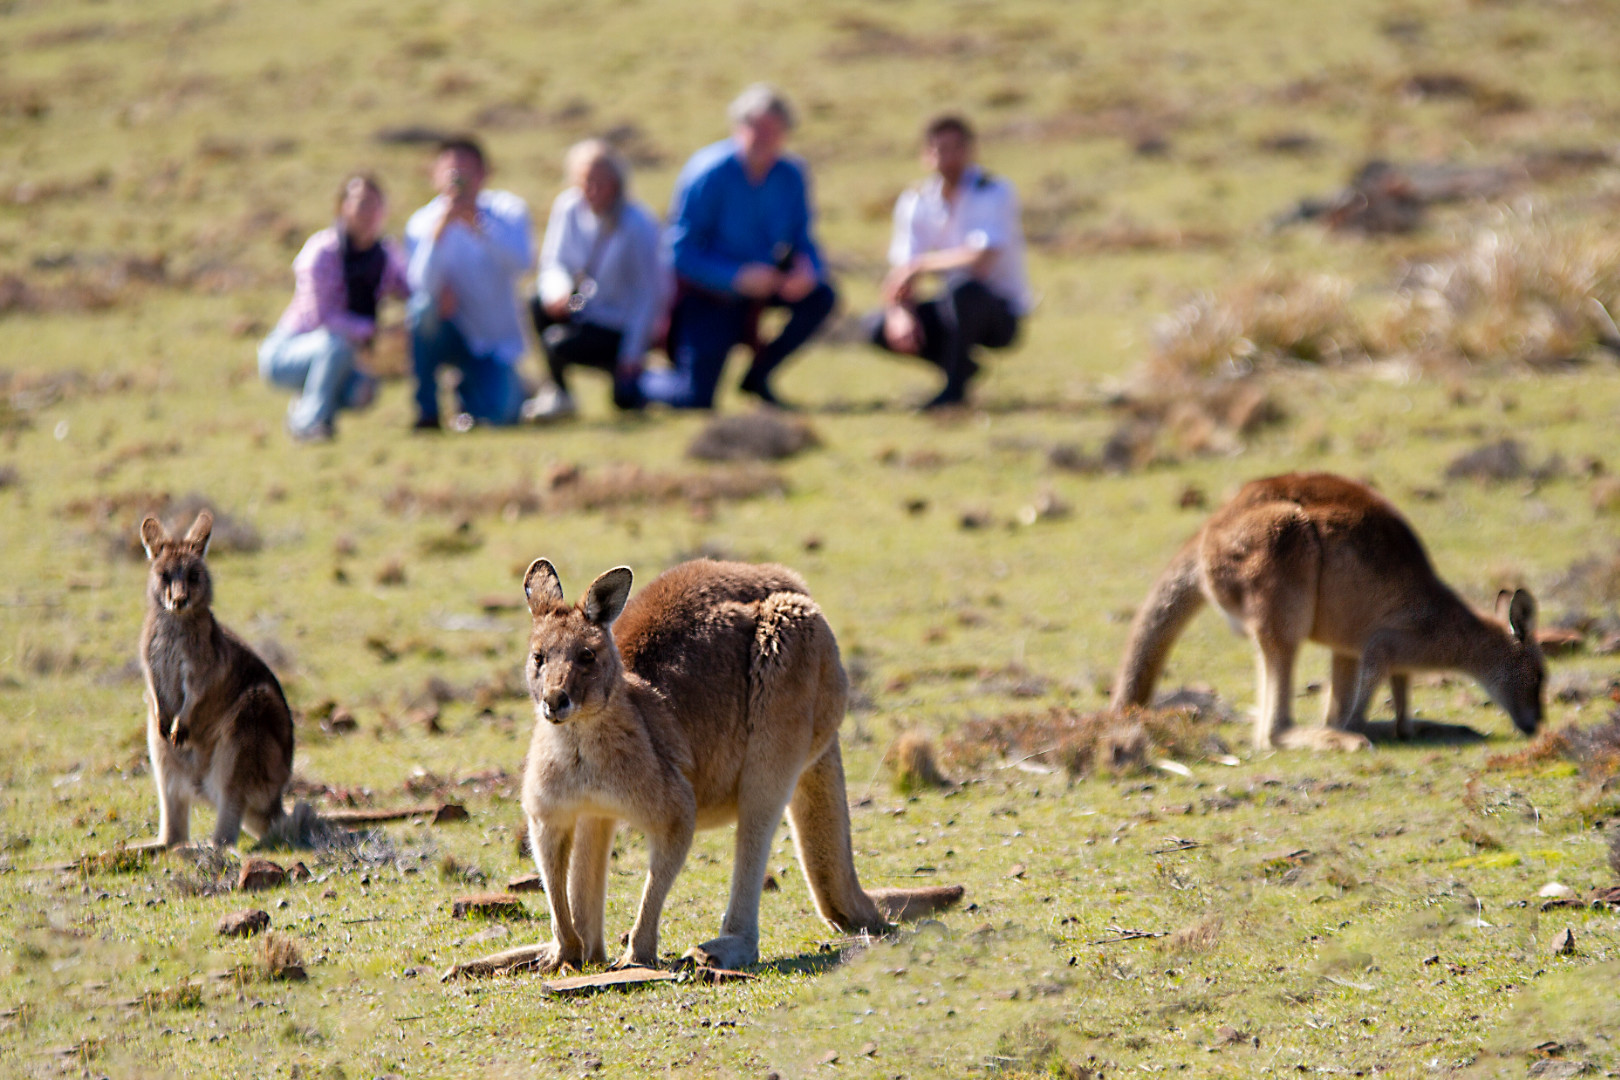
x,y
600,284
739,241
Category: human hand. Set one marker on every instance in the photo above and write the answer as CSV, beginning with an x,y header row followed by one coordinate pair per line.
x,y
558,309
757,281
898,283
901,331
799,281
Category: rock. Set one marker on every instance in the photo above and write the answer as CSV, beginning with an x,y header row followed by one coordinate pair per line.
x,y
298,872
450,812
525,883
244,923
489,905
340,722
260,874
1555,891
1563,944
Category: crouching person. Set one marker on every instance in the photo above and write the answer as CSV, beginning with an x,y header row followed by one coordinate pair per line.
x,y
467,249
600,287
341,275
960,226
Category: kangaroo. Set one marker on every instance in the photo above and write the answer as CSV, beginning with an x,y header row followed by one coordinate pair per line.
x,y
717,699
217,724
1314,556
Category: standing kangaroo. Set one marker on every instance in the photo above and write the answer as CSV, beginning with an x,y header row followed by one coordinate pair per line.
x,y
717,699
217,726
1314,556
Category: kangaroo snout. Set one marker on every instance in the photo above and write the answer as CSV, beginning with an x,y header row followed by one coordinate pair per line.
x,y
556,706
175,599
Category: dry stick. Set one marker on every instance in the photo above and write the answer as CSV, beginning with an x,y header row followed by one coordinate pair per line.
x,y
867,794
1027,757
1129,935
362,816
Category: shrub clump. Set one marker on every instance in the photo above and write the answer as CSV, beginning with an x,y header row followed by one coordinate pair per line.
x,y
1110,743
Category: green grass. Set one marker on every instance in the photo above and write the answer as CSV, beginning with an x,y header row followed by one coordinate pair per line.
x,y
212,135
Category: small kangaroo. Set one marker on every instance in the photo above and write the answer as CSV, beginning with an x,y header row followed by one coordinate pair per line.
x,y
1314,556
717,699
217,727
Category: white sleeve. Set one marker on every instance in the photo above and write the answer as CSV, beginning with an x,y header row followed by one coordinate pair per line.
x,y
994,221
555,280
903,243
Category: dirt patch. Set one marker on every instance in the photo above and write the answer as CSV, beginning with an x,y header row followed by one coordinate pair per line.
x,y
570,488
764,435
117,517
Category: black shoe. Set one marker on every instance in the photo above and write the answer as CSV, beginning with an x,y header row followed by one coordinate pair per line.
x,y
426,423
952,397
627,396
760,387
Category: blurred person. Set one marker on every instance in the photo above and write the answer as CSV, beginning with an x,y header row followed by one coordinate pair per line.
x,y
466,249
740,242
960,226
600,285
340,276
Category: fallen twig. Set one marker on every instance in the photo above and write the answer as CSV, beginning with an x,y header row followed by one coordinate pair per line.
x,y
1125,934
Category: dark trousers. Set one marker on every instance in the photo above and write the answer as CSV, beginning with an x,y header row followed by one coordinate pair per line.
x,y
569,342
953,325
703,329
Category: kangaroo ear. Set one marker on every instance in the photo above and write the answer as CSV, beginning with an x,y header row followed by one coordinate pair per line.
x,y
200,531
152,534
607,595
541,586
1522,615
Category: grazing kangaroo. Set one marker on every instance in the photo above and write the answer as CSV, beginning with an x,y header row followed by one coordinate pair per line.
x,y
717,699
217,726
1314,556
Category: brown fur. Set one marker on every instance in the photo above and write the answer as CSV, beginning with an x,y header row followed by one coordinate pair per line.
x,y
1313,556
218,727
716,698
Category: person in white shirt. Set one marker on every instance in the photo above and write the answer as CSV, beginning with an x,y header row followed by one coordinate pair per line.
x,y
466,250
961,226
600,288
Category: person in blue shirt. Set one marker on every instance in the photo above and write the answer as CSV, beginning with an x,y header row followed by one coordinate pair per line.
x,y
739,241
466,250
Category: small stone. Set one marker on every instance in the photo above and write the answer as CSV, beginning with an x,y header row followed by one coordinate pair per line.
x,y
1563,944
450,811
1554,890
1017,870
260,874
244,923
298,872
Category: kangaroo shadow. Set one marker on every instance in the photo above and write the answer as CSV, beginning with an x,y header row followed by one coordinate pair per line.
x,y
1423,733
806,963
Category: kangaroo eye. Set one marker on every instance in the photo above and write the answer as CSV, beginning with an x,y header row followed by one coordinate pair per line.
x,y
539,660
586,656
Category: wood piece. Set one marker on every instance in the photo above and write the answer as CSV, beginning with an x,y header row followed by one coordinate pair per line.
x,y
375,816
525,883
608,980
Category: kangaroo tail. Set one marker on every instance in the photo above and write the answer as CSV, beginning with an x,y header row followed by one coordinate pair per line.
x,y
819,811
301,828
1172,602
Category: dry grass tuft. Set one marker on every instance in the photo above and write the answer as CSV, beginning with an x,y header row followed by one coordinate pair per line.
x,y
280,959
914,765
1595,749
1084,743
1273,317
1198,936
762,435
116,516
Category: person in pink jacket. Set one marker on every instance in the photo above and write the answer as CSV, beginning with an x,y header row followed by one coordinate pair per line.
x,y
341,276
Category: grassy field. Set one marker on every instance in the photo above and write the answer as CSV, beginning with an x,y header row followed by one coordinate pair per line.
x,y
1361,914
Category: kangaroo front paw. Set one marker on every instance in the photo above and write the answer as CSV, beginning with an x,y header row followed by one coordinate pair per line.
x,y
631,959
729,952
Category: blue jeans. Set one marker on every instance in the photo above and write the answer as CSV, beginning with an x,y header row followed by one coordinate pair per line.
x,y
704,328
490,390
319,363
